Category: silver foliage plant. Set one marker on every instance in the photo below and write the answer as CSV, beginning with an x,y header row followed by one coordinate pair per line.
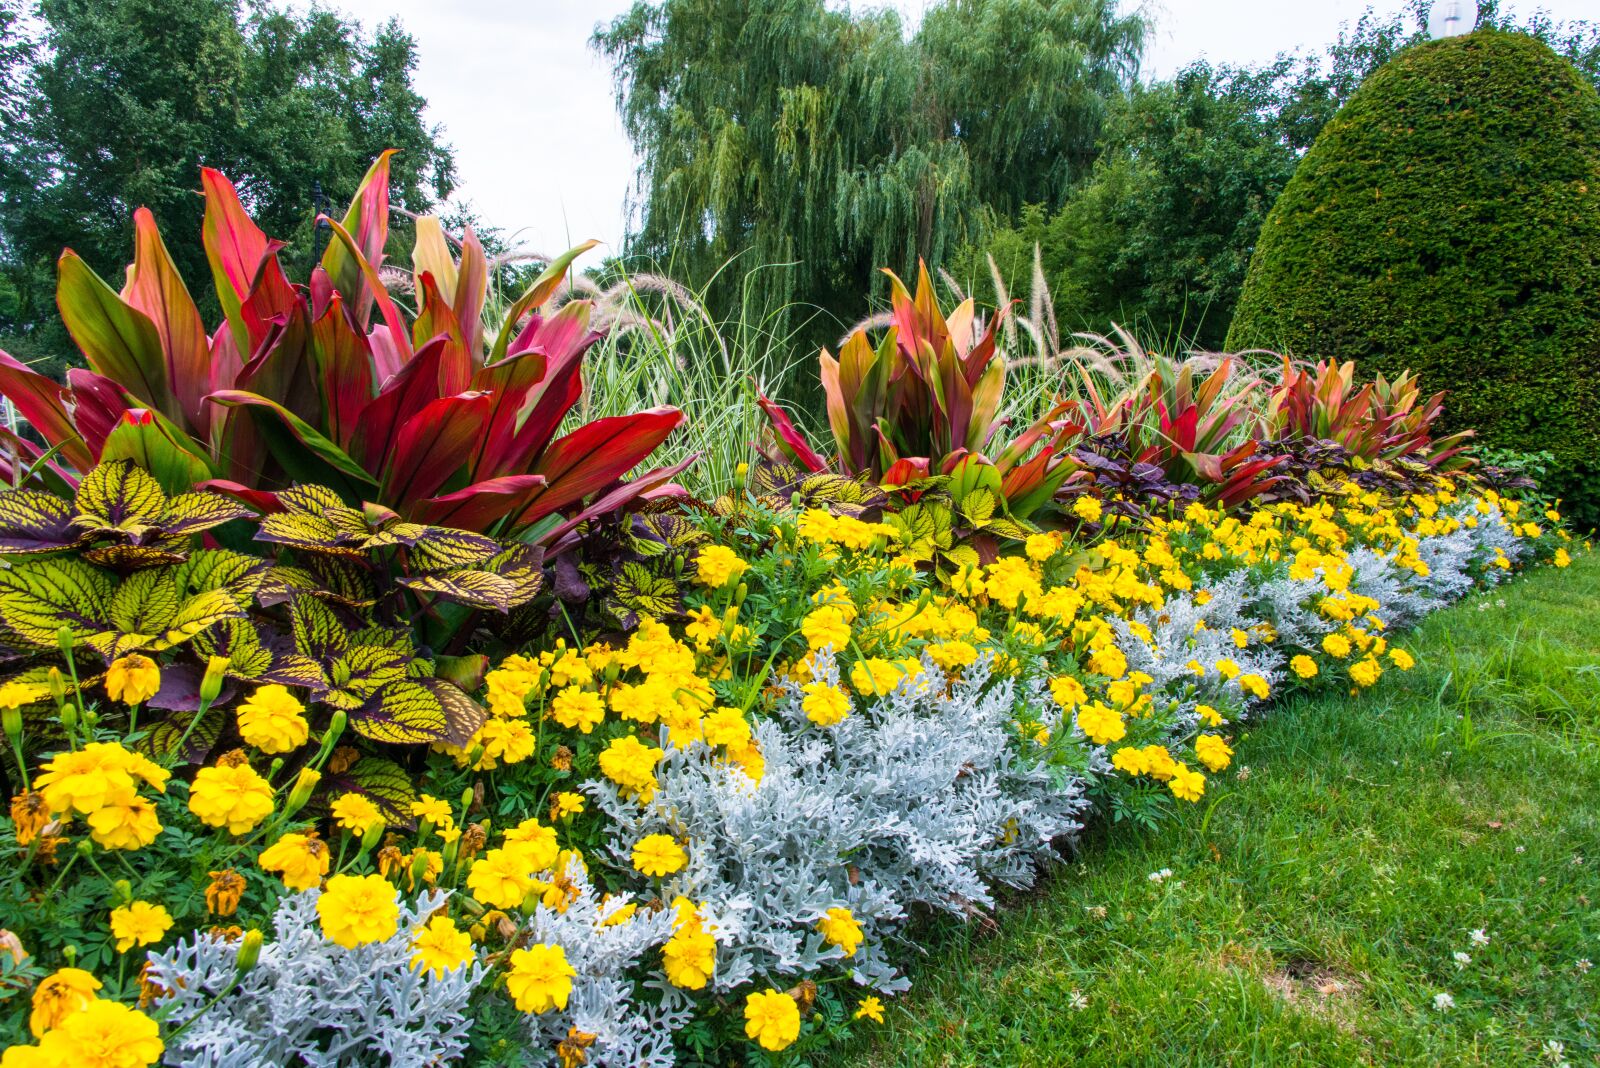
x,y
310,1002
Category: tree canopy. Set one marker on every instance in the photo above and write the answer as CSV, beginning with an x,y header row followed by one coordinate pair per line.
x,y
107,107
1159,235
793,132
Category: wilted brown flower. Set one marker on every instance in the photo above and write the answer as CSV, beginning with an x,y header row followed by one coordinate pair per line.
x,y
30,813
473,839
222,896
390,860
342,759
573,1049
561,759
150,991
232,759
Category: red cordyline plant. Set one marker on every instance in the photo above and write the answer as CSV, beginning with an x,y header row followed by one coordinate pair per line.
x,y
923,403
1381,420
328,382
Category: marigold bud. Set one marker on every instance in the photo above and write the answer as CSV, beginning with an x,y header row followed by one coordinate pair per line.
x,y
11,719
211,682
69,716
58,685
249,952
64,641
304,783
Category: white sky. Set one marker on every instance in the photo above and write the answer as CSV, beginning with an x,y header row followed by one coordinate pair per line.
x,y
540,151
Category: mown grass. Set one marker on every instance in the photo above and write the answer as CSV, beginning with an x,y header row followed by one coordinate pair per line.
x,y
1318,895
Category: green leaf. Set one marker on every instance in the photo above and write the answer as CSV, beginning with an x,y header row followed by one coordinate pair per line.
x,y
152,442
403,713
39,597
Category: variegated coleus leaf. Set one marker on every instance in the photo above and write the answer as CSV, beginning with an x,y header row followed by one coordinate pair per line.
x,y
121,501
256,656
502,582
383,782
419,712
36,522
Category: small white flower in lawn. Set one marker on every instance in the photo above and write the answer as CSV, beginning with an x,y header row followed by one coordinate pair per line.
x,y
1243,772
1584,966
1577,862
1077,1001
1160,876
1480,937
1462,960
1443,1001
1522,849
1554,1050
1097,912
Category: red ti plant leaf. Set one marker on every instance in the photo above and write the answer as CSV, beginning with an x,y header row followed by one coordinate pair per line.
x,y
243,265
472,288
97,406
351,262
300,441
431,446
438,320
262,502
540,291
155,288
118,341
646,485
342,360
508,384
278,371
411,389
372,289
476,506
39,401
792,443
594,455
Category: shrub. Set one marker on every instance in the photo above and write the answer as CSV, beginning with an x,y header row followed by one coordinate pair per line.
x,y
1448,222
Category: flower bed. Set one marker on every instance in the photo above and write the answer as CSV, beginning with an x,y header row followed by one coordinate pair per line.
x,y
707,829
354,715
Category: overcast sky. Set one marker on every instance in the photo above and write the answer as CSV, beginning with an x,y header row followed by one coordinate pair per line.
x,y
541,153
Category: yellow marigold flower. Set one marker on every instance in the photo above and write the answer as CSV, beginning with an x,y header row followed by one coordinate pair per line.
x,y
1108,661
510,741
875,675
273,720
1101,725
840,928
871,1008
301,860
223,894
439,947
1041,547
1212,751
1365,672
1227,668
132,679
718,565
1068,692
1186,784
59,995
772,1019
535,843
726,726
1208,715
750,761
90,777
565,803
125,821
1402,659
1241,639
139,923
1158,763
630,764
968,582
826,627
1336,645
689,957
952,655
1303,666
658,854
14,694
578,709
1087,509
1130,761
356,910
356,812
232,796
433,810
824,704
1255,685
539,978
103,1034
1562,558
703,626
501,878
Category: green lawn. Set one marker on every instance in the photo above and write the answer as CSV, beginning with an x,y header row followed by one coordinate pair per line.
x,y
1317,898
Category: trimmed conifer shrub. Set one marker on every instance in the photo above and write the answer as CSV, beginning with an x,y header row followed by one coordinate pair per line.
x,y
1448,221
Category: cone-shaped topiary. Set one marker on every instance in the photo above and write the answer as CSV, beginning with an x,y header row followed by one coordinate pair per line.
x,y
1448,221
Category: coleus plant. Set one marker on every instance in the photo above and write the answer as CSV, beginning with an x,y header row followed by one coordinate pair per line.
x,y
435,420
338,613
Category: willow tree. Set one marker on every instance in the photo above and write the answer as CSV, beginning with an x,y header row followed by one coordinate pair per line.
x,y
785,131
